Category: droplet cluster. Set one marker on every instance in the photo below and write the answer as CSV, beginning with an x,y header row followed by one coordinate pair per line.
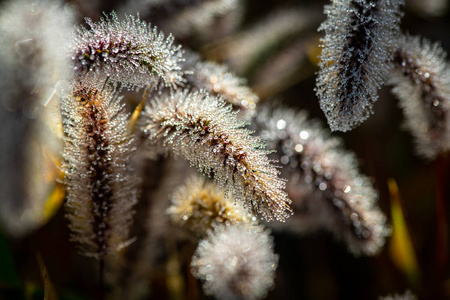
x,y
422,83
323,181
205,131
129,52
100,188
236,262
354,60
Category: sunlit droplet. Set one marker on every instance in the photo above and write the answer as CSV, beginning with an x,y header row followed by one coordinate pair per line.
x,y
304,134
281,124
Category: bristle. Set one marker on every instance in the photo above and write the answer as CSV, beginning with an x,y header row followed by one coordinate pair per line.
x,y
354,61
422,83
323,181
203,129
129,52
199,204
236,262
100,188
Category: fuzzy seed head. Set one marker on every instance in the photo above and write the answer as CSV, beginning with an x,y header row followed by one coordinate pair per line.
x,y
205,131
33,59
236,262
129,52
354,60
198,16
324,183
245,49
219,81
199,204
100,190
421,81
33,54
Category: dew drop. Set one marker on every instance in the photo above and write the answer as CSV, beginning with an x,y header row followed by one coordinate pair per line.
x,y
347,189
308,179
281,124
304,134
322,186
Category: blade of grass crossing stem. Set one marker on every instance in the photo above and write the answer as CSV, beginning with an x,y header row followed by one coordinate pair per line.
x,y
401,248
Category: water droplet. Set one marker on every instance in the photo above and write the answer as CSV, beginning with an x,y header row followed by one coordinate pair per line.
x,y
233,261
213,79
281,124
304,134
308,179
322,186
284,160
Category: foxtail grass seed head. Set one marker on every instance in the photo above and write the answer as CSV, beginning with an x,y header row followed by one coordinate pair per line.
x,y
33,54
129,52
354,60
199,204
33,60
205,131
236,262
100,188
219,81
246,48
324,183
421,81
